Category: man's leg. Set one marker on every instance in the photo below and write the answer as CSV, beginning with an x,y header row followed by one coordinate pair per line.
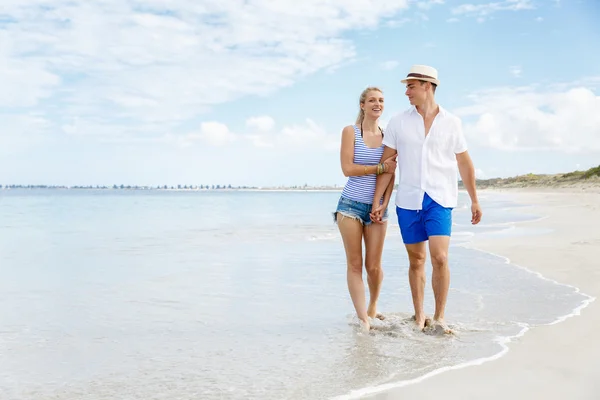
x,y
438,224
416,277
440,277
351,231
374,239
414,236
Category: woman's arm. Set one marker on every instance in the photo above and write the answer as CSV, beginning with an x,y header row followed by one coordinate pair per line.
x,y
347,157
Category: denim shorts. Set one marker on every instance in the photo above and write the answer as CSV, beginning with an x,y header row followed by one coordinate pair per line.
x,y
418,225
356,210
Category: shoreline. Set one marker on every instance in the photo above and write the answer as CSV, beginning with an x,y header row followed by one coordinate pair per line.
x,y
517,359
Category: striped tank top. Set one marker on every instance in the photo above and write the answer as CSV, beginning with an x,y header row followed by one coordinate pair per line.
x,y
362,188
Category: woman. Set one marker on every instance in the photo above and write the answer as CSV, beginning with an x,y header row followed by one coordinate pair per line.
x,y
361,151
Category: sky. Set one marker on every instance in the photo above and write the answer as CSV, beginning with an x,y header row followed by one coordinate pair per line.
x,y
257,92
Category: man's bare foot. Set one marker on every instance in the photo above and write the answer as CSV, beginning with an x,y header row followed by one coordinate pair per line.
x,y
372,312
440,327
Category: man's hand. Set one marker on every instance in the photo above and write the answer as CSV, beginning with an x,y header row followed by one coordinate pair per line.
x,y
377,213
475,213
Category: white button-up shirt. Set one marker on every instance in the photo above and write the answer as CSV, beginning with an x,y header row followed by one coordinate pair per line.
x,y
426,164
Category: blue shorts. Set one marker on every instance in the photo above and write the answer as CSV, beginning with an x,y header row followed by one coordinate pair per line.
x,y
417,225
356,210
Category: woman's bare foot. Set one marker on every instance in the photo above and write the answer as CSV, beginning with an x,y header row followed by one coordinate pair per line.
x,y
372,312
422,322
365,326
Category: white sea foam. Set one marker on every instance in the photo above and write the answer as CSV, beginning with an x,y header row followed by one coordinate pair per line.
x,y
501,340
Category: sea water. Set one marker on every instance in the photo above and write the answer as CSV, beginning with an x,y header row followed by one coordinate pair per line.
x,y
235,295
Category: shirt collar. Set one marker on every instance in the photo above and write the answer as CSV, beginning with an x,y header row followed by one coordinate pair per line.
x,y
443,112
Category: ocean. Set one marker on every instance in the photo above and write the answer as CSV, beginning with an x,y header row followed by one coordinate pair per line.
x,y
237,295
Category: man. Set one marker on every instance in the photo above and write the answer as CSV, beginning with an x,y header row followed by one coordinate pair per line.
x,y
430,145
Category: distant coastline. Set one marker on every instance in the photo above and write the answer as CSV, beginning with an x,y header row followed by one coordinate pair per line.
x,y
222,188
575,179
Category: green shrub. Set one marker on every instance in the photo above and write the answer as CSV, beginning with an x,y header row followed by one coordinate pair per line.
x,y
592,172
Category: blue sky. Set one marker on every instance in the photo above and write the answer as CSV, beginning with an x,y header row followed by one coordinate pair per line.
x,y
257,92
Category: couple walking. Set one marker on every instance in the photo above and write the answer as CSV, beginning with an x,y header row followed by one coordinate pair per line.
x,y
427,145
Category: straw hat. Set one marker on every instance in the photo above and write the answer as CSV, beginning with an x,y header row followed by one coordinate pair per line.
x,y
422,73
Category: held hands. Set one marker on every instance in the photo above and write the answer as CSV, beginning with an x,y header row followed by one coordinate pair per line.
x,y
376,213
475,213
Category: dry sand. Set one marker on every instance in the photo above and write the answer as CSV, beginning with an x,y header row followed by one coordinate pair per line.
x,y
560,361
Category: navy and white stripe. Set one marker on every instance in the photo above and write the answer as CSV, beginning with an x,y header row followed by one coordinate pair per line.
x,y
362,188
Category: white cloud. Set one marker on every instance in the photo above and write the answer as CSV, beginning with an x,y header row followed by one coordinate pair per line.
x,y
214,133
298,138
19,132
539,19
261,140
515,71
291,138
564,118
395,23
452,20
262,123
426,5
389,65
24,82
479,174
164,63
481,11
308,136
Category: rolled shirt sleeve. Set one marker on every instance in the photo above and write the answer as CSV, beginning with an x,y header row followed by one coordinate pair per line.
x,y
390,134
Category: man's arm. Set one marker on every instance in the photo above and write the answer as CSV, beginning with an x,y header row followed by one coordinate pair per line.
x,y
467,174
389,190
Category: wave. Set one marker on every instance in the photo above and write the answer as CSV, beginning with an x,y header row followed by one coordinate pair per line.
x,y
502,340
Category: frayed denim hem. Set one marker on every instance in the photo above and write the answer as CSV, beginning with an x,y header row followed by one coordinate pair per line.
x,y
351,216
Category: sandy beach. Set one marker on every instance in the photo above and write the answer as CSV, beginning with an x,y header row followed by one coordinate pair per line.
x,y
558,361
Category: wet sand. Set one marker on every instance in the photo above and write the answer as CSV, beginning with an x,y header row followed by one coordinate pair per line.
x,y
559,361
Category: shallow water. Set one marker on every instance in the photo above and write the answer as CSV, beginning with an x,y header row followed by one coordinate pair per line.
x,y
232,295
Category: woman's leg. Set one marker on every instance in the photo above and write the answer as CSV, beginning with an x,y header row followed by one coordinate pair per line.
x,y
352,231
374,239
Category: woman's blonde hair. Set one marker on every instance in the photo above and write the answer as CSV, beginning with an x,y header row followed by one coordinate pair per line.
x,y
363,98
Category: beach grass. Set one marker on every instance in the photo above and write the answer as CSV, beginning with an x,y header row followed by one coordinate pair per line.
x,y
590,177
